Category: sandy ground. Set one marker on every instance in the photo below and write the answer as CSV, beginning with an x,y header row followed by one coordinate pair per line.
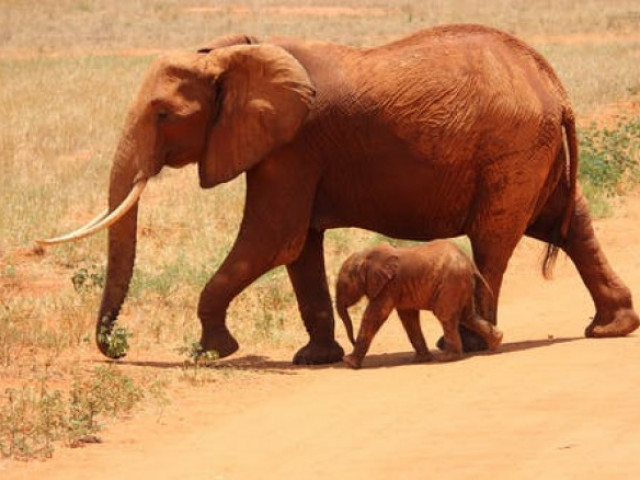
x,y
550,404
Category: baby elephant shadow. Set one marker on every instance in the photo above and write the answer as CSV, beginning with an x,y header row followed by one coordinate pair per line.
x,y
390,360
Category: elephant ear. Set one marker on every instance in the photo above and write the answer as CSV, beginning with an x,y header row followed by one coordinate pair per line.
x,y
381,266
262,96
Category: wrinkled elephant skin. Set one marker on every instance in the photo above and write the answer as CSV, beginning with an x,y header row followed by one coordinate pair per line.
x,y
454,130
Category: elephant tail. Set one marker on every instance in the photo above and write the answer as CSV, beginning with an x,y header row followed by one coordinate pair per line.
x,y
481,282
569,123
571,176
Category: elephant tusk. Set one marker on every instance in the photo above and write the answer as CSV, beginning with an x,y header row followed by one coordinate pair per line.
x,y
89,224
92,222
102,221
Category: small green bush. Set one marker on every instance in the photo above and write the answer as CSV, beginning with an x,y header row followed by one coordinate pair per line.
x,y
609,162
89,279
33,418
116,340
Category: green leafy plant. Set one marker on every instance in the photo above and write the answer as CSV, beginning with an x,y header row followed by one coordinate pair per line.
x,y
196,357
30,421
34,418
88,279
610,159
116,339
195,353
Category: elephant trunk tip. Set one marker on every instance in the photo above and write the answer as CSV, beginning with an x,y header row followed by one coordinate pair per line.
x,y
346,320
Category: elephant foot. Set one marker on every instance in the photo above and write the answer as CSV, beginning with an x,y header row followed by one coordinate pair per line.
x,y
618,324
218,338
315,353
352,362
471,342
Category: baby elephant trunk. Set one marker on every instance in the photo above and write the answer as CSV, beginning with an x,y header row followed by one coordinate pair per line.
x,y
346,319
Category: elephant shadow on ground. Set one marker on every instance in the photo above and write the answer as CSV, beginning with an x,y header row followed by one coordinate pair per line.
x,y
257,363
387,360
264,364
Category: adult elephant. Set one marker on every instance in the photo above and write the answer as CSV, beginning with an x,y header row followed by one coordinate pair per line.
x,y
455,130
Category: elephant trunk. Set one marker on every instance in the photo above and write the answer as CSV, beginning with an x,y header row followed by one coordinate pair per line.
x,y
343,311
121,242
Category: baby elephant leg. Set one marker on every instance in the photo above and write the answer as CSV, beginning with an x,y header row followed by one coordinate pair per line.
x,y
411,322
374,316
453,342
486,330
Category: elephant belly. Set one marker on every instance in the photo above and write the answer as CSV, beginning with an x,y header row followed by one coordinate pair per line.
x,y
399,198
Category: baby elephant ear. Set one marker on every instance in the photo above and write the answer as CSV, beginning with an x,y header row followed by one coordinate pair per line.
x,y
382,266
262,96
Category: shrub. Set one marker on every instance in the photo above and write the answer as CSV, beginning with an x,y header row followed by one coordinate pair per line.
x,y
609,161
33,418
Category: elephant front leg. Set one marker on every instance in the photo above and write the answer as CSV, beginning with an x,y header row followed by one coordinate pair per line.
x,y
247,261
309,280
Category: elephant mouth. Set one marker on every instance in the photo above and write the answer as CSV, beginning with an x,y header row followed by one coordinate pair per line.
x,y
101,221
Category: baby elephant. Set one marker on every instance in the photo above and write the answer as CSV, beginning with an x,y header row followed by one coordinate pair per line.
x,y
436,276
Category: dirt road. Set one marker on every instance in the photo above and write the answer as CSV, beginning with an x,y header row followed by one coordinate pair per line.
x,y
551,404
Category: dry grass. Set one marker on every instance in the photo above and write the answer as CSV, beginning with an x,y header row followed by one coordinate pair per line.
x,y
64,91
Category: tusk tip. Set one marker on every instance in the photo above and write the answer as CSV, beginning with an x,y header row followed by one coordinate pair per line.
x,y
43,242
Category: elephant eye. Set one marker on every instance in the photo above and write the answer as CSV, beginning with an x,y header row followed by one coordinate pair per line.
x,y
162,116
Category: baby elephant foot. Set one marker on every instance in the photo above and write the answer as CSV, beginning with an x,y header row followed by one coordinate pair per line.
x,y
471,341
449,356
495,339
422,357
352,362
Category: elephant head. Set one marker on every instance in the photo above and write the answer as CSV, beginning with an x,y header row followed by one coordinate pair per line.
x,y
364,273
225,108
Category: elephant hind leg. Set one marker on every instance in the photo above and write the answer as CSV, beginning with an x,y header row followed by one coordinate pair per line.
x,y
411,322
615,316
453,341
498,221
